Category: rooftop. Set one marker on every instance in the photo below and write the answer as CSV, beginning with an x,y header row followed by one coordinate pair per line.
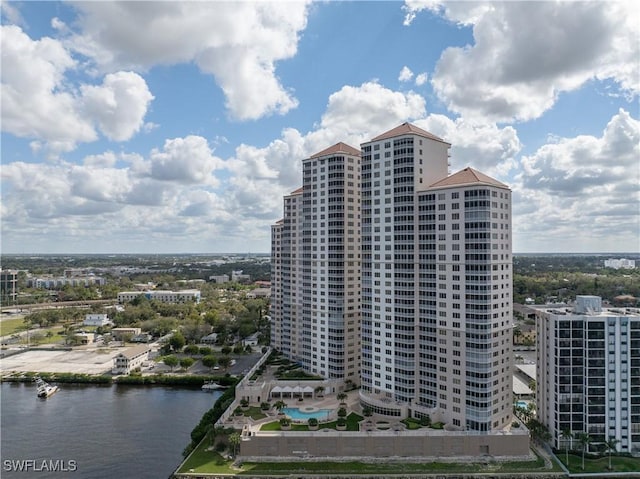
x,y
407,129
467,176
338,148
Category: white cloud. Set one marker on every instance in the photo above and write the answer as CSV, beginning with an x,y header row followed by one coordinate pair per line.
x,y
11,13
34,93
405,74
421,79
39,102
119,105
238,43
526,54
185,160
583,184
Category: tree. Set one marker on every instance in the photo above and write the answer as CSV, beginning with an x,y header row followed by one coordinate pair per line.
x,y
341,396
209,361
224,361
177,341
280,405
319,390
611,445
584,440
171,361
234,441
186,363
567,436
191,349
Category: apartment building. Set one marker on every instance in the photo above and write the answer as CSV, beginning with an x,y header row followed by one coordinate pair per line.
x,y
433,253
436,285
316,267
588,377
162,296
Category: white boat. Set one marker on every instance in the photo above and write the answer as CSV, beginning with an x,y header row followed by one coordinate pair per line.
x,y
212,386
44,388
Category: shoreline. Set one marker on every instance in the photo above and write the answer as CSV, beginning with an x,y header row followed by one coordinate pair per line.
x,y
148,380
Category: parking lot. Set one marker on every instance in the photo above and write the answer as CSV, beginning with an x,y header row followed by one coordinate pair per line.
x,y
75,361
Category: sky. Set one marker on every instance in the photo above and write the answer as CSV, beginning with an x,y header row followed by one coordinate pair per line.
x,y
177,127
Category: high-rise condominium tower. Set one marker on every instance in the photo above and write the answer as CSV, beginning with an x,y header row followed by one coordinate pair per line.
x,y
436,285
316,267
435,282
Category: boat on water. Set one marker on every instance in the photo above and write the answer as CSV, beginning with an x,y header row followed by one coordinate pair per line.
x,y
212,386
44,388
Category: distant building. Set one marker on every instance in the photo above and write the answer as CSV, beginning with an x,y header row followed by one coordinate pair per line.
x,y
85,338
209,339
588,375
259,293
119,333
54,282
141,338
162,296
250,340
223,278
240,277
96,320
621,263
130,359
8,286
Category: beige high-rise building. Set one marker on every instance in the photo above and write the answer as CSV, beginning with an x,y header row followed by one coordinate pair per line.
x,y
433,254
316,299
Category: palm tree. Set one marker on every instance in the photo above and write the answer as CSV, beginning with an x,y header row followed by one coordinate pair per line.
x,y
585,440
319,390
610,444
280,405
234,441
567,436
341,396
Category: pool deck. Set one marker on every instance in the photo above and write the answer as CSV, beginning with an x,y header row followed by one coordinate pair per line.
x,y
330,401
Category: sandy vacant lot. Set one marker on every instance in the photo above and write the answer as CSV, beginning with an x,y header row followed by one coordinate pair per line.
x,y
76,361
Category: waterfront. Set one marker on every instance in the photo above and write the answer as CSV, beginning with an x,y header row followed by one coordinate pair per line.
x,y
100,431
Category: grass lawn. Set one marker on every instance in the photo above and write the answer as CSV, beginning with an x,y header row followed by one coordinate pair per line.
x,y
202,461
601,464
411,423
11,326
255,413
207,461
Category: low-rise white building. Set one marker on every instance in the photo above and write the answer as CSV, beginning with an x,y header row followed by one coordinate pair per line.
x,y
222,278
96,320
130,359
621,263
162,296
119,333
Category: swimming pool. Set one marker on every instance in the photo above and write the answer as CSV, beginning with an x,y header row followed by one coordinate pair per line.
x,y
521,404
296,413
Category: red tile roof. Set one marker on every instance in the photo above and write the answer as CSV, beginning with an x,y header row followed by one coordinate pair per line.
x,y
338,148
407,129
467,176
296,192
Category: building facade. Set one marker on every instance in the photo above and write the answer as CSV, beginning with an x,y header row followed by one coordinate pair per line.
x,y
162,296
315,307
588,378
436,285
8,286
433,253
130,359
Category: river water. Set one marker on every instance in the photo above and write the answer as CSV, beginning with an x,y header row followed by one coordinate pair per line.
x,y
97,432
